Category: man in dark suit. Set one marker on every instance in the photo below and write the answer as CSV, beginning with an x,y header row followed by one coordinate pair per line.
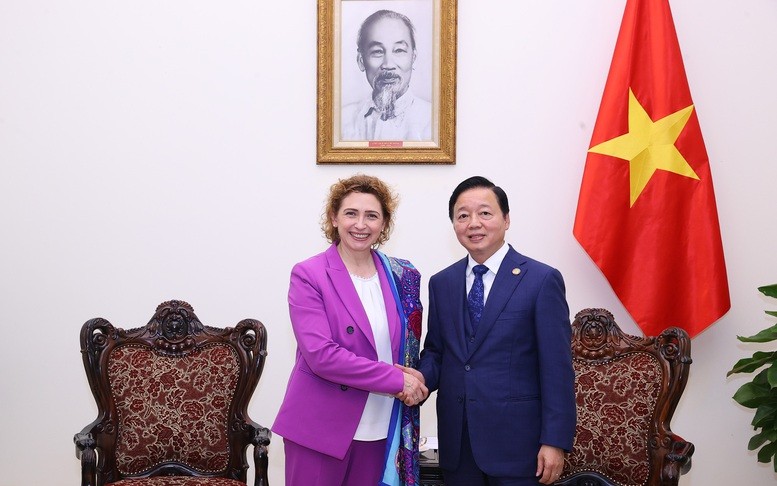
x,y
498,353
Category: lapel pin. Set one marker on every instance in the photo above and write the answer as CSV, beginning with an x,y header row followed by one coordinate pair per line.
x,y
516,271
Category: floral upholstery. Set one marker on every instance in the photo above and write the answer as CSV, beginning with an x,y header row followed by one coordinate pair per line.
x,y
178,481
172,399
173,409
616,400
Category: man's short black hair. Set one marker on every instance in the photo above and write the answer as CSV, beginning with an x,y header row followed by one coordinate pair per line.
x,y
475,182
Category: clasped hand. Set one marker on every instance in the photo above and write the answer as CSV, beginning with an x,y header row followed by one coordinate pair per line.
x,y
414,391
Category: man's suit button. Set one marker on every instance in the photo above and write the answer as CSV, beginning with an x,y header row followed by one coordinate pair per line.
x,y
349,329
467,367
343,387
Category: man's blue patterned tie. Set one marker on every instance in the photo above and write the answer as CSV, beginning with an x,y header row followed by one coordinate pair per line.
x,y
475,300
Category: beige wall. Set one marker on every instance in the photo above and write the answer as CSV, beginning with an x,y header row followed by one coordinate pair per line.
x,y
155,150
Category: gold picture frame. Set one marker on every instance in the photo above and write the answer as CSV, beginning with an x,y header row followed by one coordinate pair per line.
x,y
351,129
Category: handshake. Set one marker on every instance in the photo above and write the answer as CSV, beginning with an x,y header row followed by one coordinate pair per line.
x,y
414,391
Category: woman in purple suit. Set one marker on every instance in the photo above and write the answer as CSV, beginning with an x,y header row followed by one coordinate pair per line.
x,y
350,414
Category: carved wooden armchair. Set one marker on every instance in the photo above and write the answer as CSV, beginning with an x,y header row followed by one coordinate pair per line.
x,y
172,399
627,389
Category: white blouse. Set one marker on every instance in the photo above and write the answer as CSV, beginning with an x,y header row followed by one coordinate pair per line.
x,y
375,419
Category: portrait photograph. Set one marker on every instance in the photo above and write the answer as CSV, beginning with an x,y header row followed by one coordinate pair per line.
x,y
386,87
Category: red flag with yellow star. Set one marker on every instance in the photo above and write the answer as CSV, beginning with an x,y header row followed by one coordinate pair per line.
x,y
646,213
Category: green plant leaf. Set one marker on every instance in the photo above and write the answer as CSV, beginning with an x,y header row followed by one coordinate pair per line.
x,y
761,379
748,365
765,415
764,336
769,290
751,395
766,452
761,392
755,442
761,438
771,375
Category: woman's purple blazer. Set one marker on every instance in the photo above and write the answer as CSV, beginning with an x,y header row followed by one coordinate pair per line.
x,y
336,362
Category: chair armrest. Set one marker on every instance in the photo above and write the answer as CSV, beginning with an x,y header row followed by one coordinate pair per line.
x,y
85,452
678,461
260,438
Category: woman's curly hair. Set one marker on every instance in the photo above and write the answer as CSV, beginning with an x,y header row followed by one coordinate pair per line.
x,y
367,185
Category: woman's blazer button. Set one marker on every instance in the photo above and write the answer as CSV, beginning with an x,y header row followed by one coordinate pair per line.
x,y
343,387
349,329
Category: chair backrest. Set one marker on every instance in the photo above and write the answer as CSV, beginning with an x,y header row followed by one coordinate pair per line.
x,y
627,389
172,396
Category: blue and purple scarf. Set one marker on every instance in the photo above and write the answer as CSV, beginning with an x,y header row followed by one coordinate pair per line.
x,y
401,461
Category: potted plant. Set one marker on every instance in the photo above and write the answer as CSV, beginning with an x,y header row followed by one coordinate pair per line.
x,y
760,393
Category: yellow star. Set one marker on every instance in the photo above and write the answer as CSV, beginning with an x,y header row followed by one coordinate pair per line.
x,y
649,146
